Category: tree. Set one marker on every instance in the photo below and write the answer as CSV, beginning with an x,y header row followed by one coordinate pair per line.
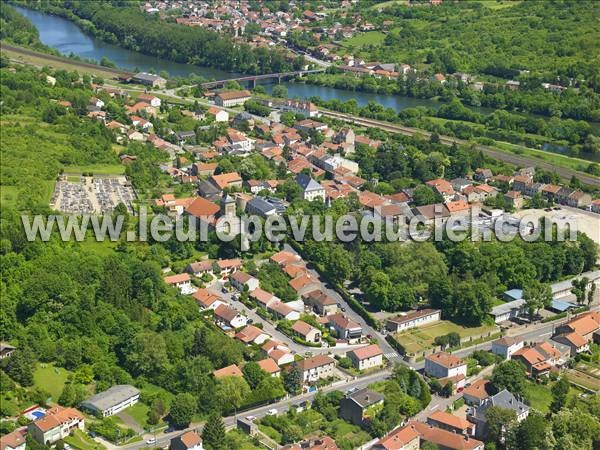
x,y
560,390
253,374
280,91
292,379
500,421
536,295
213,434
183,409
509,375
423,195
20,366
532,432
231,392
579,289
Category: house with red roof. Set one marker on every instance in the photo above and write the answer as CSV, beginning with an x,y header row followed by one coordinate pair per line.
x,y
366,357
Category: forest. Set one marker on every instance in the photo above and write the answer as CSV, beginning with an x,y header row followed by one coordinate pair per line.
x,y
556,39
130,28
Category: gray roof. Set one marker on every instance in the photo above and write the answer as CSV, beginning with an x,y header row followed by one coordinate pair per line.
x,y
207,188
261,205
366,397
503,399
307,183
507,307
147,76
185,134
111,397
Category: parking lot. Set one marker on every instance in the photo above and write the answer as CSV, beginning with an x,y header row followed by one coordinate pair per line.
x,y
92,195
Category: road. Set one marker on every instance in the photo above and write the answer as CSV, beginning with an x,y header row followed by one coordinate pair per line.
x,y
387,349
511,158
163,439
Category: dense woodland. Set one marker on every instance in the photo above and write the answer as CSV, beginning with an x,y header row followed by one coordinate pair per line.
x,y
552,38
128,27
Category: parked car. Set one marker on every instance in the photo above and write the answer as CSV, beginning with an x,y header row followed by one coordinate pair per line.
x,y
250,418
91,434
272,412
151,441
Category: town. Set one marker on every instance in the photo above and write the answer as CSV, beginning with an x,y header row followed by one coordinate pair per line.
x,y
462,340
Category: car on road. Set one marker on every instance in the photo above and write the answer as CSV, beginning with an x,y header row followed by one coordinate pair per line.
x,y
272,412
151,441
169,430
250,418
250,321
91,434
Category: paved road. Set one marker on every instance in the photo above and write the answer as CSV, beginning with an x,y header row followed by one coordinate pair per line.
x,y
163,439
518,160
387,349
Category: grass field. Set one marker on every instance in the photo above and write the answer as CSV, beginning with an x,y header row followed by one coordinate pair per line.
x,y
586,375
539,397
367,38
139,413
97,169
419,339
51,379
82,441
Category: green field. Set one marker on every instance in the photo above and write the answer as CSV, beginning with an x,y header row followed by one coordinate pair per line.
x,y
82,441
367,38
97,169
586,375
419,339
51,379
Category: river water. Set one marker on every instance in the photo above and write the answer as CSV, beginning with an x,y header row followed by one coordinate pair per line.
x,y
68,38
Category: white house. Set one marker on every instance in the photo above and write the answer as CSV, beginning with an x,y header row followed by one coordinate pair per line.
x,y
152,100
311,189
190,440
14,440
226,315
506,346
220,114
316,368
444,365
366,357
181,281
240,279
283,311
413,319
112,401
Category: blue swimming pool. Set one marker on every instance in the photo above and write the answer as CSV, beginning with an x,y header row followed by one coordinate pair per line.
x,y
38,414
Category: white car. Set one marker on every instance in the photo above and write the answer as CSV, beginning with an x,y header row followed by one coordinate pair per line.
x,y
250,418
151,441
272,412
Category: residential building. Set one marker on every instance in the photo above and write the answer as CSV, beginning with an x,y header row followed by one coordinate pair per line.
x,y
152,100
260,207
321,443
232,98
445,440
270,366
538,360
506,346
112,401
304,283
14,440
181,281
574,341
200,268
344,327
366,357
243,281
311,189
477,392
402,438
444,365
262,297
509,310
585,325
207,299
283,311
6,350
452,423
252,335
305,108
226,180
230,371
413,319
514,199
316,368
57,424
306,332
320,302
189,440
149,79
220,115
442,187
360,405
278,351
503,399
225,315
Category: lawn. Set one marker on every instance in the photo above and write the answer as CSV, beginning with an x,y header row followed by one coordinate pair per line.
x,y
588,377
82,441
51,379
539,396
139,413
419,339
97,169
367,38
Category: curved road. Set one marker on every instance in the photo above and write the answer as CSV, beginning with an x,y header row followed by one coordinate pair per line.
x,y
518,160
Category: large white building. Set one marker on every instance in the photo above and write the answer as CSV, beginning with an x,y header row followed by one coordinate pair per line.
x,y
413,319
112,401
445,365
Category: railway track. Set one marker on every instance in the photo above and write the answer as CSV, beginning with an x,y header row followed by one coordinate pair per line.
x,y
60,59
517,160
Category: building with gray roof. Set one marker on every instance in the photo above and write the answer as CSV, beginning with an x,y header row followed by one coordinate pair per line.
x,y
112,401
360,405
503,399
260,207
311,189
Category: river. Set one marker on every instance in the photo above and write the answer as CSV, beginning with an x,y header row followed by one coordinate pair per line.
x,y
66,37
